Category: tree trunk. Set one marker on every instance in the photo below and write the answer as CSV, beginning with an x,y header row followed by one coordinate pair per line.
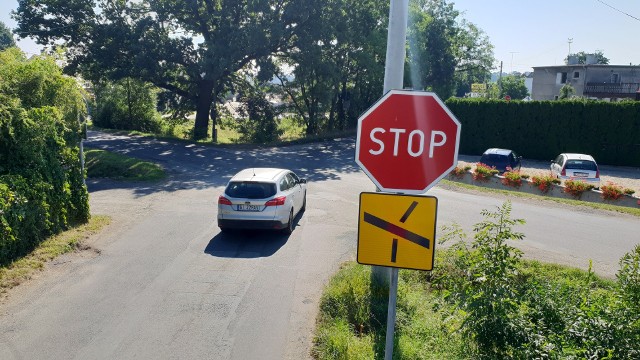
x,y
203,106
214,121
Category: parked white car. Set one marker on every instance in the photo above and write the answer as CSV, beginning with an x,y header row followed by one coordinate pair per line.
x,y
576,167
262,198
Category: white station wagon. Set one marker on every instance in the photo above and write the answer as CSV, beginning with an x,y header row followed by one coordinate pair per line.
x,y
576,167
262,198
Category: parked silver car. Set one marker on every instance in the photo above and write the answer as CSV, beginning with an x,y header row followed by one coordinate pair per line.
x,y
262,198
576,167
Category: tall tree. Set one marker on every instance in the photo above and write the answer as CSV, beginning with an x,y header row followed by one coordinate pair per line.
x,y
338,65
514,87
474,57
446,52
192,48
6,38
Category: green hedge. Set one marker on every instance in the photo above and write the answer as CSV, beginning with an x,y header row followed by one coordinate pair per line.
x,y
543,129
41,183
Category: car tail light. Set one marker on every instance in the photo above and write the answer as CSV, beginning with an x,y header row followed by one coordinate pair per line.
x,y
223,201
597,172
563,172
277,201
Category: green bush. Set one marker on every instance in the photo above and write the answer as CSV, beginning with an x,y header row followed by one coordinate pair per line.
x,y
257,123
523,310
41,183
127,104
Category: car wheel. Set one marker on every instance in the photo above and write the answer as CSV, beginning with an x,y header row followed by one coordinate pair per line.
x,y
289,228
304,202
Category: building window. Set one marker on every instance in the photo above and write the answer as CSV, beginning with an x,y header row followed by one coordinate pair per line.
x,y
576,74
561,78
615,78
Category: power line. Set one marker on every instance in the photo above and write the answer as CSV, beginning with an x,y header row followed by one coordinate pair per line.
x,y
618,10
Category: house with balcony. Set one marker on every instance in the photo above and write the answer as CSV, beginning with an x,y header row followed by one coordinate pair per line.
x,y
590,80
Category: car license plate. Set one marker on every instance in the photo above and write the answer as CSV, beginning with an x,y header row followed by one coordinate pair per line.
x,y
579,174
245,207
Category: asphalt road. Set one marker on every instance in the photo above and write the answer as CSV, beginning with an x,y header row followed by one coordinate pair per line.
x,y
163,283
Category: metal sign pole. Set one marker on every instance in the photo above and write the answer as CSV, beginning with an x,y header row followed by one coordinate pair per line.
x,y
391,314
393,79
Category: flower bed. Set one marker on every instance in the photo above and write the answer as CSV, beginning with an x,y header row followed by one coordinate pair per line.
x,y
544,185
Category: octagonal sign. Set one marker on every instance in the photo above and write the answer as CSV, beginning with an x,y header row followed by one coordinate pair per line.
x,y
407,141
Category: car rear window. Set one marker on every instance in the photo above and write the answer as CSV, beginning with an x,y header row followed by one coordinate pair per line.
x,y
493,158
581,165
250,189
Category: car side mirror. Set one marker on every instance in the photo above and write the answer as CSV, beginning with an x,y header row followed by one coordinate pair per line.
x,y
303,181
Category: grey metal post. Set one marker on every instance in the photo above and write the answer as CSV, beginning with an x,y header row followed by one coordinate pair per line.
x,y
393,78
391,314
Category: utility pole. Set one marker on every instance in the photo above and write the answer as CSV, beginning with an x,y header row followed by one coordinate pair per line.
x,y
500,80
511,65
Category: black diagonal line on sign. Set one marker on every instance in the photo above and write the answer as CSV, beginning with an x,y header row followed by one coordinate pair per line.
x,y
408,212
396,230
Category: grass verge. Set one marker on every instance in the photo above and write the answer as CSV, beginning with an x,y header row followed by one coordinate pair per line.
x,y
104,164
22,269
598,206
352,317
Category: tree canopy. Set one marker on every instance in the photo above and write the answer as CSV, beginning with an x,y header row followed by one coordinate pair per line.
x,y
514,87
446,52
192,48
582,57
329,55
6,37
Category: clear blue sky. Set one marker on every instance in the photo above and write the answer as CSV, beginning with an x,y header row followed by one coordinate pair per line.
x,y
528,33
536,33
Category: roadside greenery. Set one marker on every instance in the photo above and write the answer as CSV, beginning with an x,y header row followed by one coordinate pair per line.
x,y
126,104
23,268
484,301
104,164
41,183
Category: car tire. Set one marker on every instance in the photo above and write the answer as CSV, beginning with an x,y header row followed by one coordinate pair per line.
x,y
304,203
289,229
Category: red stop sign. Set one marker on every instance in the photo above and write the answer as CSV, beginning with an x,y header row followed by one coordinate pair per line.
x,y
407,141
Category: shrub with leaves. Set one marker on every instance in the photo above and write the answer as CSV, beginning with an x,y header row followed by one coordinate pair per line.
x,y
487,291
576,187
627,308
258,118
611,191
544,182
512,178
127,104
483,172
41,183
460,171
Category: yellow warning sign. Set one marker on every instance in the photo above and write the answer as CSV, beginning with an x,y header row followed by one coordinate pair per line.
x,y
397,230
